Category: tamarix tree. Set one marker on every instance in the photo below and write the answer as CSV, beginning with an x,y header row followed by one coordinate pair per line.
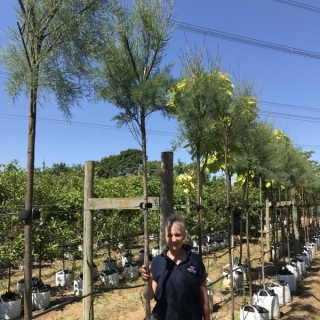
x,y
45,59
133,78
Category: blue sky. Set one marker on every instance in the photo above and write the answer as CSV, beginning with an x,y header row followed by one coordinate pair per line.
x,y
288,82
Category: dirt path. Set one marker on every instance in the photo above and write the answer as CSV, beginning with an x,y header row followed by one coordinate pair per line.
x,y
128,304
306,302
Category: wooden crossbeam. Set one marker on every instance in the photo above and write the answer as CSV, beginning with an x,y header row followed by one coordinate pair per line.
x,y
121,203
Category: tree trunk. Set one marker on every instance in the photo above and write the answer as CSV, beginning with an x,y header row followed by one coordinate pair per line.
x,y
199,203
145,197
28,207
268,237
261,233
247,235
241,223
295,222
230,229
166,193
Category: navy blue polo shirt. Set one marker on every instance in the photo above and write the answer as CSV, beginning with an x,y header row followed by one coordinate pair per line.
x,y
178,289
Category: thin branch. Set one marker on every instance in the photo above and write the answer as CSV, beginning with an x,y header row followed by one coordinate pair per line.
x,y
49,19
50,47
24,45
127,44
152,62
23,9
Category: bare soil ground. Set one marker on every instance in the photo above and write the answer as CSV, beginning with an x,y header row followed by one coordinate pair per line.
x,y
126,302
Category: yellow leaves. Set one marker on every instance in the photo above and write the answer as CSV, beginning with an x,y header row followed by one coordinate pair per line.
x,y
170,102
272,182
186,182
241,178
215,163
181,84
269,184
221,80
251,101
223,76
278,135
213,159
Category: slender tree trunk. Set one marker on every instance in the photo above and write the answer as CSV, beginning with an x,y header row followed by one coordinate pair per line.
x,y
288,230
28,207
261,233
146,225
199,204
268,236
188,202
230,229
247,235
40,261
274,243
295,222
304,217
166,193
9,273
283,235
241,223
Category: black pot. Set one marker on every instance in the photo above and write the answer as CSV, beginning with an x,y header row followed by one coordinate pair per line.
x,y
45,288
108,272
10,296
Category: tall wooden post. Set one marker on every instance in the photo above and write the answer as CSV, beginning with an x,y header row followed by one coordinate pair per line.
x,y
166,193
87,306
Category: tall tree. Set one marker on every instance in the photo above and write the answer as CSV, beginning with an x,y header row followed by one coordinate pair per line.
x,y
45,58
197,100
253,162
233,124
133,79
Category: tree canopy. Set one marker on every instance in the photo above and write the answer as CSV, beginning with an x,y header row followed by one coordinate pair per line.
x,y
128,162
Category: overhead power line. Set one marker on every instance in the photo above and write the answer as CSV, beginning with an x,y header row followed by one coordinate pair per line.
x,y
163,133
289,106
84,124
290,116
245,40
299,5
306,146
156,132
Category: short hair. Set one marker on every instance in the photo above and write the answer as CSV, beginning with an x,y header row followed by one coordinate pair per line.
x,y
175,218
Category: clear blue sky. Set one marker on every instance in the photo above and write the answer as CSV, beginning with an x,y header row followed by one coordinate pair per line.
x,y
281,78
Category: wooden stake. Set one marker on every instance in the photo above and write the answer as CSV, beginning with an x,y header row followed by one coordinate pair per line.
x,y
87,306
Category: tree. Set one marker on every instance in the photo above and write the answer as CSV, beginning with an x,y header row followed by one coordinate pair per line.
x,y
252,162
132,77
197,100
242,111
12,186
127,162
45,58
